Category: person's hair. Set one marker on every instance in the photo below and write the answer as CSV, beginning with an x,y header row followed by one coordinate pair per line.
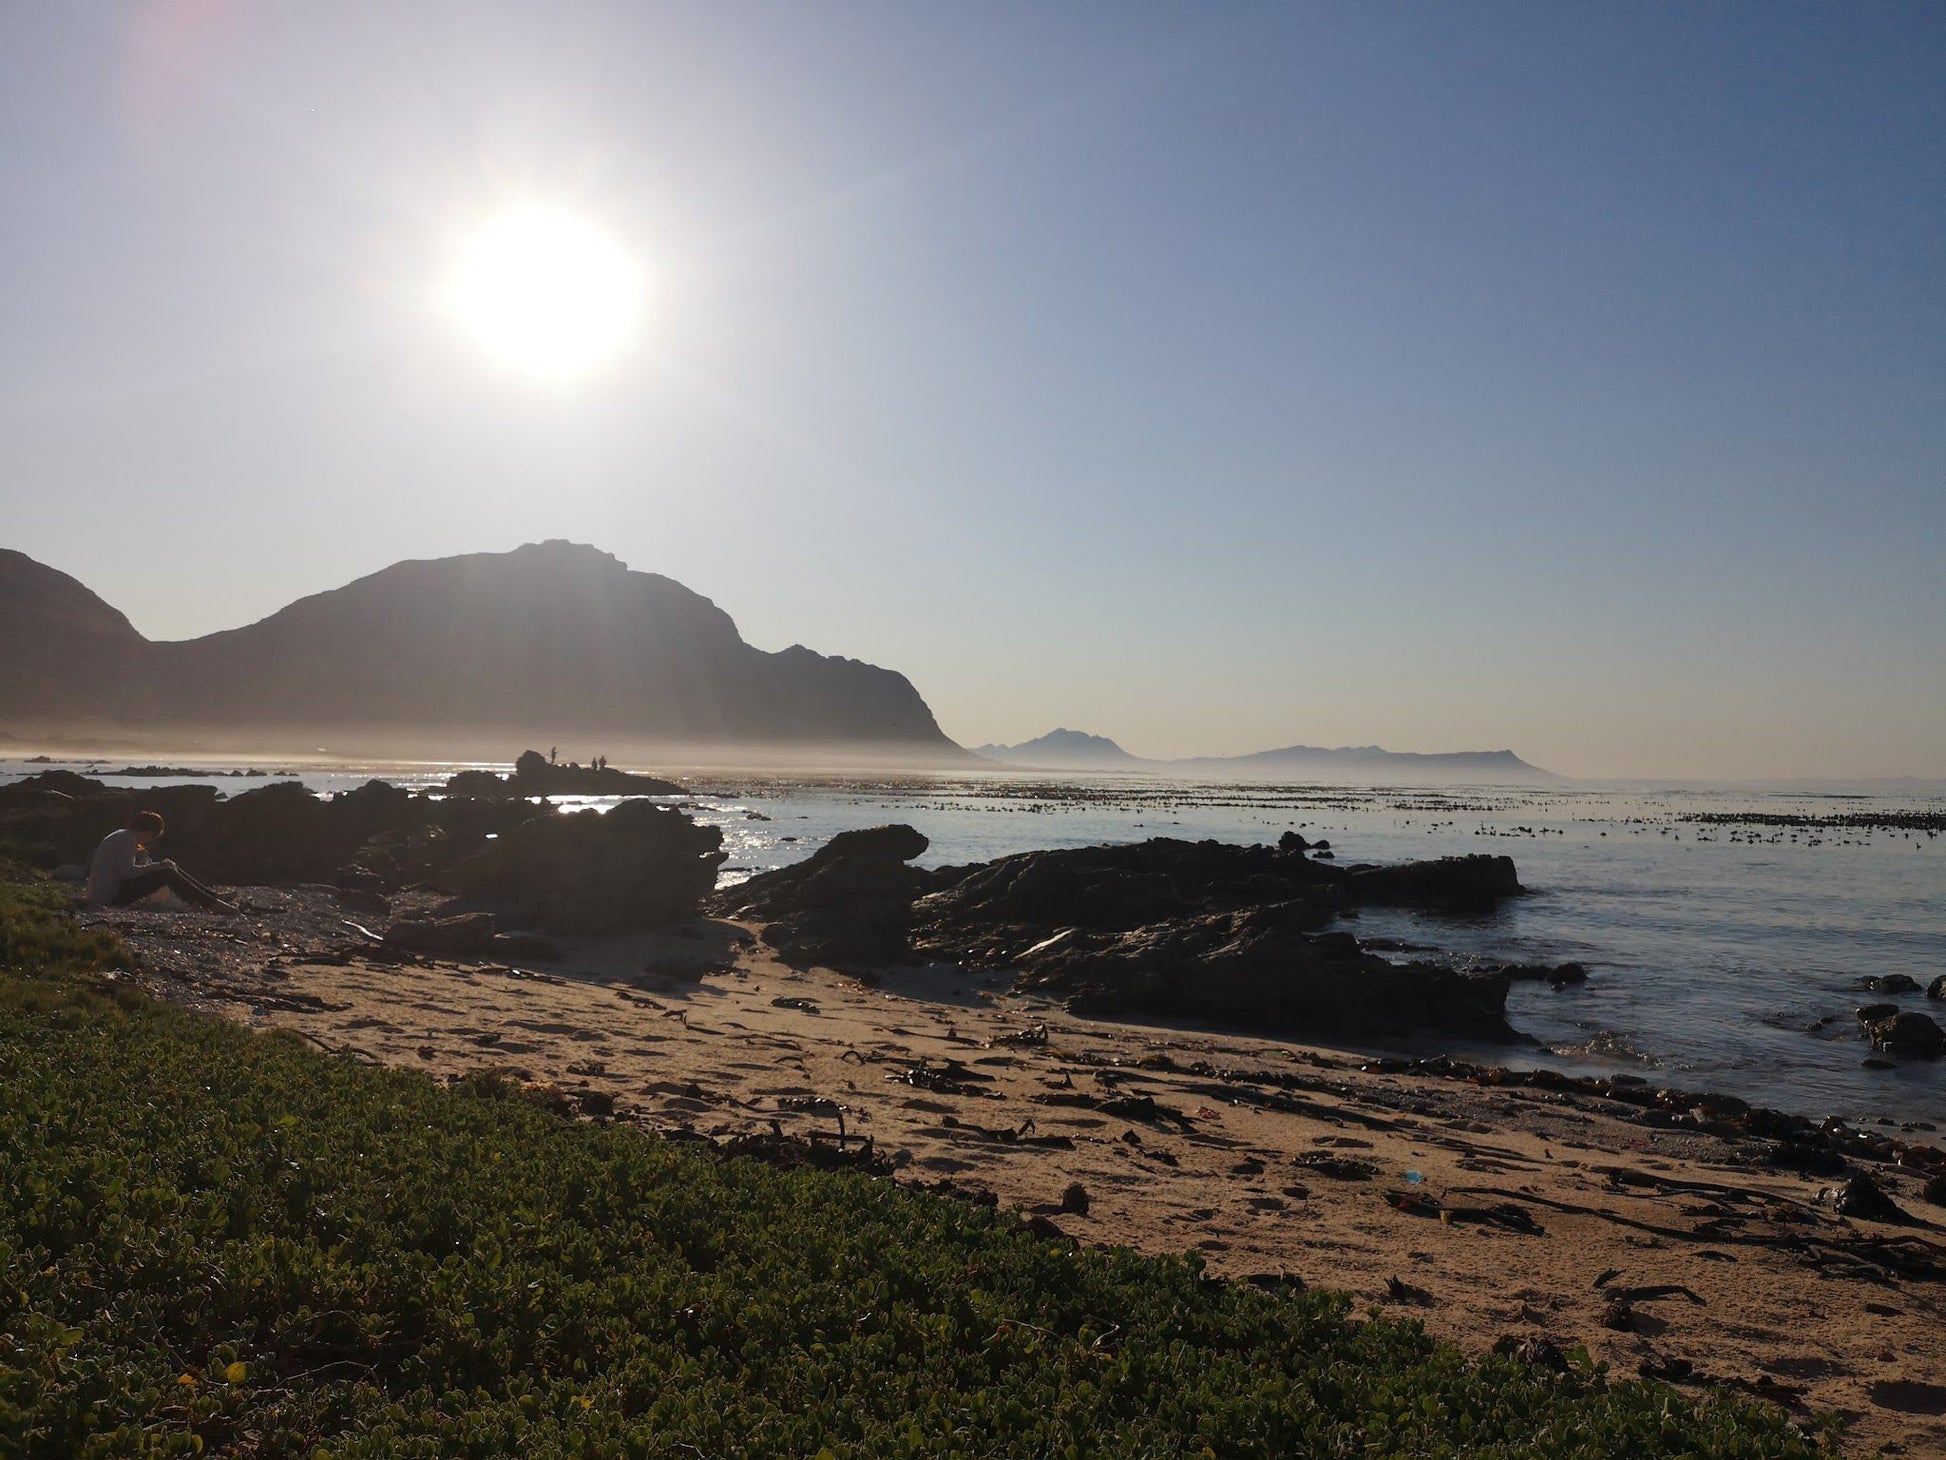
x,y
148,821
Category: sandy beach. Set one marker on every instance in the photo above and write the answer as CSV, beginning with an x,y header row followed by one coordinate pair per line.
x,y
1490,1212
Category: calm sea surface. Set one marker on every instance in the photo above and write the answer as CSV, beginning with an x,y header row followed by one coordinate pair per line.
x,y
1713,949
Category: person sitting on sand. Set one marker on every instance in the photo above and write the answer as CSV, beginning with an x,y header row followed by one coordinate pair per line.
x,y
122,873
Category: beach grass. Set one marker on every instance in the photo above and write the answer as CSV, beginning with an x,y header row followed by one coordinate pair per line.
x,y
218,1242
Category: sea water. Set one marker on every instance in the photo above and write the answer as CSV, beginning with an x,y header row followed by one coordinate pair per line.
x,y
1721,956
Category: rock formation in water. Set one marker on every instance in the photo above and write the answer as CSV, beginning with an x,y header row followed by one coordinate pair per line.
x,y
548,641
535,775
1206,930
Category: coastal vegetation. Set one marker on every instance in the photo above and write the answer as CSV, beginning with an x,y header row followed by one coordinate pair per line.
x,y
215,1242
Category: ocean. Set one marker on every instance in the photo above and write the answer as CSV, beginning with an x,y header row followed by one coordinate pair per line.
x,y
1723,955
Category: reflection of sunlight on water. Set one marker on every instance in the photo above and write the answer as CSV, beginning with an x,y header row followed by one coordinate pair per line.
x,y
1711,948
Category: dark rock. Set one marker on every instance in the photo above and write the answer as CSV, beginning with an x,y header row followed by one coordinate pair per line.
x,y
1937,988
597,1103
849,904
1864,1198
1458,884
535,775
1042,1228
402,857
1872,1013
1888,983
1075,1199
1796,1152
1908,1034
357,900
899,842
1258,967
1542,1353
1027,898
1290,841
477,783
468,933
1935,1191
34,789
527,946
1188,929
638,866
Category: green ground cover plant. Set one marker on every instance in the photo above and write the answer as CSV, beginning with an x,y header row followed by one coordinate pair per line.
x,y
39,936
214,1242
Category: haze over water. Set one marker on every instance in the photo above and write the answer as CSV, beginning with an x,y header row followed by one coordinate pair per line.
x,y
1713,949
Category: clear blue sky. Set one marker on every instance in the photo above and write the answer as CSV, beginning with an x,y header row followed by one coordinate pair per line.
x,y
1568,378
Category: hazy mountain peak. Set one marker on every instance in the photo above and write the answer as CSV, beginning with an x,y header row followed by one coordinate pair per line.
x,y
549,641
1072,749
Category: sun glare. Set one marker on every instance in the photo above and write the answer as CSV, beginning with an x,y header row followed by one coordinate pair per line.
x,y
546,292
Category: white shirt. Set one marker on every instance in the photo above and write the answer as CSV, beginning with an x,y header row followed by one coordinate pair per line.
x,y
115,861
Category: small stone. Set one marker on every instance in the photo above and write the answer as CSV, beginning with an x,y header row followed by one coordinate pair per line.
x,y
1541,1352
1864,1198
1075,1199
1889,983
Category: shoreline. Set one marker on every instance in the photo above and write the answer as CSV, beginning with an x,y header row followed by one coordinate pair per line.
x,y
1269,1158
1669,999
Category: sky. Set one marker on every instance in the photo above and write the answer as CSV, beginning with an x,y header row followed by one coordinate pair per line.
x,y
1570,379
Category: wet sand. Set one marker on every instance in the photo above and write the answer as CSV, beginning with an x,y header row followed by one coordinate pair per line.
x,y
1481,1210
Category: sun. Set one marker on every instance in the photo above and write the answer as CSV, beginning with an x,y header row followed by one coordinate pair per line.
x,y
546,292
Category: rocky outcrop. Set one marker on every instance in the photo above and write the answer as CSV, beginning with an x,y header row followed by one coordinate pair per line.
x,y
378,837
1450,884
992,910
535,775
1205,930
1915,1035
849,905
638,866
1887,983
1262,969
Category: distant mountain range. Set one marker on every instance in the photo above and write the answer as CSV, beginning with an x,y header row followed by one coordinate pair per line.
x,y
1075,750
551,643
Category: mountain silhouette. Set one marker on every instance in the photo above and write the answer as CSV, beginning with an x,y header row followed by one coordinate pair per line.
x,y
1077,750
548,642
1063,749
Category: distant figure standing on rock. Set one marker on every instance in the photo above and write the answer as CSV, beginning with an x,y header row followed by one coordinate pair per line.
x,y
122,872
